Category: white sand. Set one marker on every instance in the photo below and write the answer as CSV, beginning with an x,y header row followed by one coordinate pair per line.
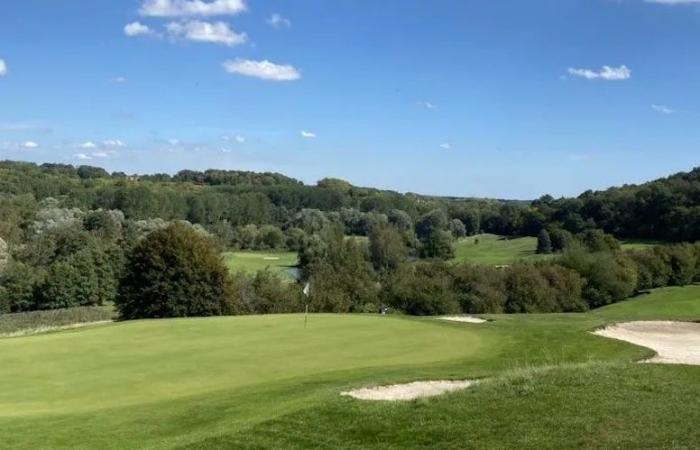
x,y
409,391
49,329
465,319
271,258
673,342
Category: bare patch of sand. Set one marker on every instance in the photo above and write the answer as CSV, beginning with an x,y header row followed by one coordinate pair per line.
x,y
409,391
271,258
49,329
465,319
673,342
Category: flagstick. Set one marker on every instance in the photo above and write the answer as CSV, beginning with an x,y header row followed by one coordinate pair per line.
x,y
306,313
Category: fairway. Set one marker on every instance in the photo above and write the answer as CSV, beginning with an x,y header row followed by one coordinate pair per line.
x,y
126,385
253,261
494,250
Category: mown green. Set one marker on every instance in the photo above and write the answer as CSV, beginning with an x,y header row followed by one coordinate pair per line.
x,y
271,382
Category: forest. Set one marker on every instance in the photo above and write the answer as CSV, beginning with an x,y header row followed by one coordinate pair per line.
x,y
80,236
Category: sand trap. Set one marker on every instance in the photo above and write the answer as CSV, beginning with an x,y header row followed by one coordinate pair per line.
x,y
271,258
409,391
674,342
465,319
49,329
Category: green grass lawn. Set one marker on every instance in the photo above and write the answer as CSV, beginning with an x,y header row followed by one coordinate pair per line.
x,y
639,244
250,261
495,250
267,382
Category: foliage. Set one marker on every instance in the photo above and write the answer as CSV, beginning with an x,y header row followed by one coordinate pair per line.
x,y
544,242
174,272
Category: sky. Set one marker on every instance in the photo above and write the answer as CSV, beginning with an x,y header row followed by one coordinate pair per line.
x,y
507,99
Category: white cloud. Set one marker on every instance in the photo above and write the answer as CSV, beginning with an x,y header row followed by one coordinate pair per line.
x,y
428,105
663,109
240,139
215,33
3,68
82,156
88,144
265,70
114,143
173,141
137,29
605,73
308,135
30,144
119,80
189,8
446,146
102,154
278,21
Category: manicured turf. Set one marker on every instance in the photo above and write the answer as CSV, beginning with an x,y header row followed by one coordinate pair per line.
x,y
496,250
639,244
280,262
268,382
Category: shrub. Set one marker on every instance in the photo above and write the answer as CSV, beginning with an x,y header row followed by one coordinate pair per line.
x,y
175,272
544,243
422,290
609,276
480,289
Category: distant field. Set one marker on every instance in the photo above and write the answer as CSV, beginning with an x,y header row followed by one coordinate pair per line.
x,y
281,262
270,382
638,244
496,250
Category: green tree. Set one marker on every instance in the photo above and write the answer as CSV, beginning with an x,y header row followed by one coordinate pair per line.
x,y
544,243
387,248
175,272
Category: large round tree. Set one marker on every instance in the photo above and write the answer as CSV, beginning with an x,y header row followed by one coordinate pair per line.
x,y
174,272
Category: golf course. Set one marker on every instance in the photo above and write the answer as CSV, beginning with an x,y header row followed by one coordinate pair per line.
x,y
274,382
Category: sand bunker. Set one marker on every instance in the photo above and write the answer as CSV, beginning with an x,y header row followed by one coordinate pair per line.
x,y
465,319
271,258
674,342
409,391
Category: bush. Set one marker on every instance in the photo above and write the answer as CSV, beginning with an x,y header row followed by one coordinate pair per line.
x,y
653,271
608,276
544,243
422,290
266,293
175,272
480,289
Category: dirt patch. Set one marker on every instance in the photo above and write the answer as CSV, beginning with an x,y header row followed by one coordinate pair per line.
x,y
409,391
673,342
49,329
465,319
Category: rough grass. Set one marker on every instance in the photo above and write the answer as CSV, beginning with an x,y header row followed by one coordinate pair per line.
x,y
496,250
253,261
268,382
20,324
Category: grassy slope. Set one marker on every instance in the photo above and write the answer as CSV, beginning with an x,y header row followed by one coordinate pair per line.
x,y
495,250
255,261
266,382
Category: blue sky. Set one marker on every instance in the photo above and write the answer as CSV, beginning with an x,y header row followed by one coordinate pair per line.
x,y
509,99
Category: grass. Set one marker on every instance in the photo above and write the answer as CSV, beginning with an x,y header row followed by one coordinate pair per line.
x,y
41,321
496,250
267,382
639,244
253,261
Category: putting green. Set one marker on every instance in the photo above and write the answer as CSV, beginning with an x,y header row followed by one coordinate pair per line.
x,y
250,261
266,381
491,249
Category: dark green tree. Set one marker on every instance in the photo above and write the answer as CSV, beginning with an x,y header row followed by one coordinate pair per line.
x,y
175,272
544,243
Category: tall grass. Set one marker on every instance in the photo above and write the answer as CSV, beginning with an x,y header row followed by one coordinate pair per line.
x,y
18,324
